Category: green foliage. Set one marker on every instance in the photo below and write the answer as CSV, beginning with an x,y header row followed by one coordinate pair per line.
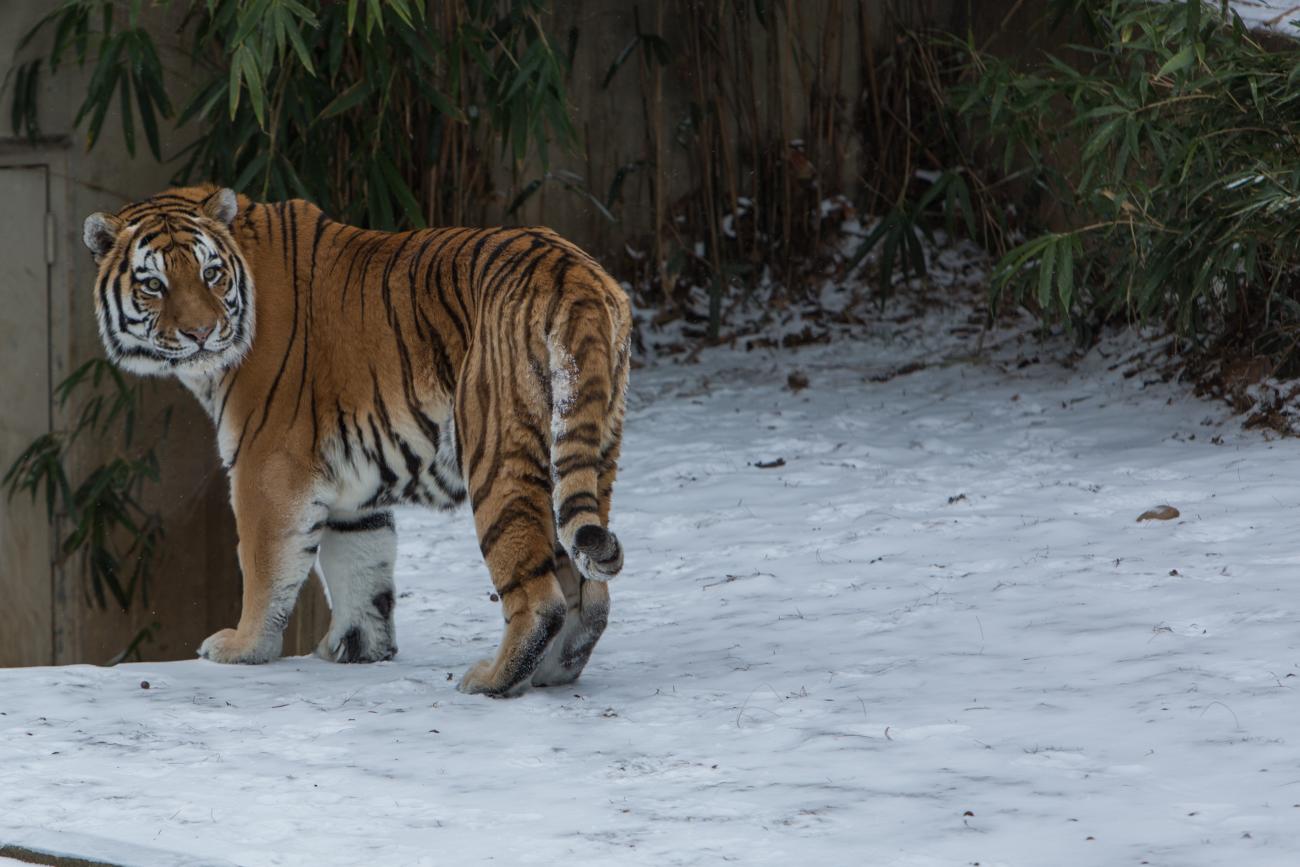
x,y
127,71
1169,142
899,233
369,109
106,526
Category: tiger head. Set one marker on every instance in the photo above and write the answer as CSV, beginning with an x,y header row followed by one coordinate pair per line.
x,y
174,295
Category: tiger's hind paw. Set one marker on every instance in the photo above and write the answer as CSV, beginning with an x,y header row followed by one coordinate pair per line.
x,y
354,646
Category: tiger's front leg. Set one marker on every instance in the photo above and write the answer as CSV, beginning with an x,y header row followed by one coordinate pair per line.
x,y
280,527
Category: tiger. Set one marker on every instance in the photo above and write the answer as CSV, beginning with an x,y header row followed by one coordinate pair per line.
x,y
348,371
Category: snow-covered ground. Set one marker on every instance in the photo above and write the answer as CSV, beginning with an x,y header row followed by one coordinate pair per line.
x,y
1275,14
936,635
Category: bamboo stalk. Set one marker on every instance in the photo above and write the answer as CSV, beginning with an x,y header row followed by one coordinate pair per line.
x,y
704,138
748,72
724,141
661,263
869,50
787,125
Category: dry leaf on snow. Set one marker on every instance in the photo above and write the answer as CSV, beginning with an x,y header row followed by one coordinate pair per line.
x,y
1159,513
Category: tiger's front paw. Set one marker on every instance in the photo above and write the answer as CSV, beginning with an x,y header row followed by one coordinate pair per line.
x,y
478,680
229,646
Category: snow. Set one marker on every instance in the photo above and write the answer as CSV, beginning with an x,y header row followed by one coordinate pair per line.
x,y
1277,15
1274,14
936,635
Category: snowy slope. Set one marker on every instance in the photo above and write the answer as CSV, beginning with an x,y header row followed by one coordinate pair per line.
x,y
1278,15
1275,14
936,636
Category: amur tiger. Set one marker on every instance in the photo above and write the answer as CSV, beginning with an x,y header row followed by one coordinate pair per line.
x,y
350,370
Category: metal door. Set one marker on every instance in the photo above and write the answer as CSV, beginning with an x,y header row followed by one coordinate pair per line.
x,y
26,580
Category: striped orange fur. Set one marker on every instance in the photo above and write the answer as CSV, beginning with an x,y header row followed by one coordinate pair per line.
x,y
348,371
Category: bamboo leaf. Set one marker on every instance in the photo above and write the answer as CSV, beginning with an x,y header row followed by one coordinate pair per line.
x,y
1065,276
101,109
378,199
148,120
128,115
255,167
1179,61
295,182
253,78
397,186
620,60
18,110
236,84
252,16
348,99
300,48
202,102
65,31
1046,266
524,195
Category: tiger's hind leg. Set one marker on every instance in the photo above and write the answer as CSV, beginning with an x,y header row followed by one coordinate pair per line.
x,y
519,550
506,470
357,557
513,534
584,622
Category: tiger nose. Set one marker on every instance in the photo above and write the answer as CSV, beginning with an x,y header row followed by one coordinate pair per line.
x,y
198,334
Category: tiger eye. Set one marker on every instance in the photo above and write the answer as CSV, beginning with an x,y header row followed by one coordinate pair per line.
x,y
154,285
211,273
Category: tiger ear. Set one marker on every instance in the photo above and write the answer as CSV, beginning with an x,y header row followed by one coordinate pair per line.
x,y
100,233
222,206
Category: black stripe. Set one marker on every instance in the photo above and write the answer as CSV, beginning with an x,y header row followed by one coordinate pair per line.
x,y
559,276
343,433
543,568
517,511
587,433
306,330
288,350
574,505
381,406
315,422
460,314
242,433
364,524
413,467
573,463
385,281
